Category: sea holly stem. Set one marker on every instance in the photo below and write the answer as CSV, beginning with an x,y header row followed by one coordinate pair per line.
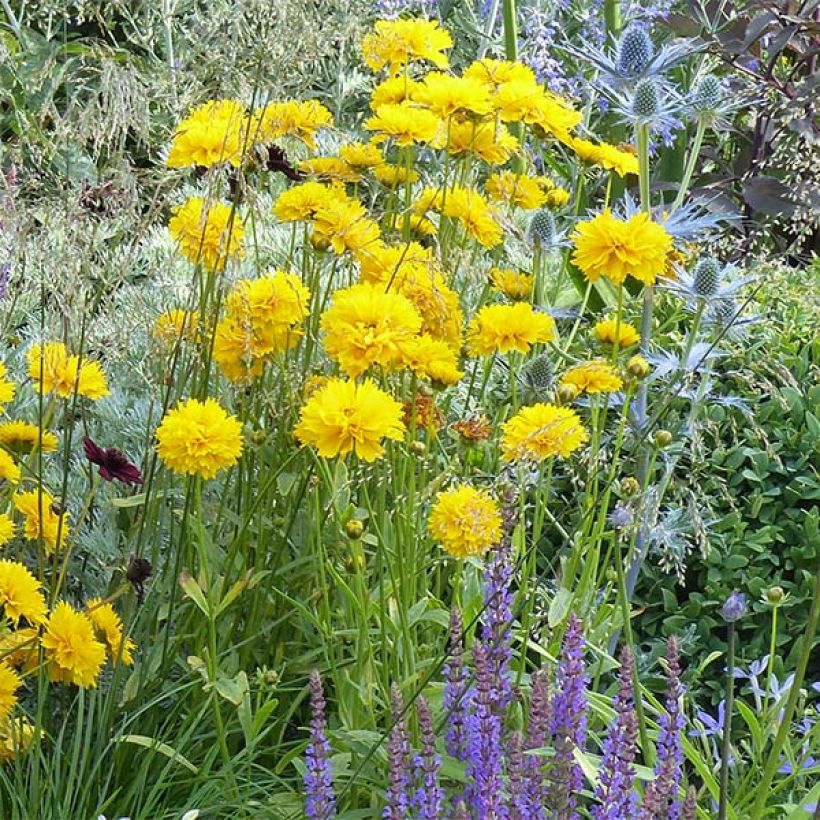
x,y
612,18
691,160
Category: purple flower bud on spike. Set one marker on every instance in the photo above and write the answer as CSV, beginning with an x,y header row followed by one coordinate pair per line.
x,y
734,607
430,795
320,802
569,722
614,791
519,802
457,691
496,630
660,798
398,759
690,805
537,737
484,758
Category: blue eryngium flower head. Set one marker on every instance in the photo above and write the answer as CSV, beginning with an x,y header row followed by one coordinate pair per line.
x,y
635,52
734,608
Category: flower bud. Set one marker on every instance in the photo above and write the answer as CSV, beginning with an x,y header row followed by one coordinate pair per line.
x,y
566,393
418,448
663,438
258,436
735,607
539,371
630,485
354,528
775,595
638,367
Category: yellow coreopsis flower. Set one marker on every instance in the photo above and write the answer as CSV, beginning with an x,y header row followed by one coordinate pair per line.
x,y
495,73
7,388
540,431
361,155
55,371
7,529
605,155
492,142
20,595
9,471
366,325
72,652
611,332
394,90
395,43
331,169
474,214
10,682
593,377
24,437
207,233
41,520
513,284
15,738
345,226
176,324
503,328
199,438
292,118
432,358
446,95
108,626
466,520
615,248
344,417
235,350
212,133
394,175
301,202
516,189
405,123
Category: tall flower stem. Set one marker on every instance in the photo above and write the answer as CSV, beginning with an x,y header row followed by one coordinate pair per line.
x,y
691,160
726,740
774,761
612,18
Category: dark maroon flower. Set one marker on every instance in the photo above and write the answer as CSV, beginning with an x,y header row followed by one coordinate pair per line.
x,y
112,463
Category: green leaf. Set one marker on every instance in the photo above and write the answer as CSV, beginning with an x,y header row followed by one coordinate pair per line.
x,y
559,608
192,589
162,748
233,689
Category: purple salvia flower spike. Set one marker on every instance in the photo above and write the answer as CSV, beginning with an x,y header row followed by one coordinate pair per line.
x,y
519,802
538,728
320,802
661,795
568,723
496,628
430,795
614,791
398,760
690,805
457,691
485,753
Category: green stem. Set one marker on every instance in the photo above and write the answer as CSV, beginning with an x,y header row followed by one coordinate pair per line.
x,y
727,723
691,160
612,18
774,761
